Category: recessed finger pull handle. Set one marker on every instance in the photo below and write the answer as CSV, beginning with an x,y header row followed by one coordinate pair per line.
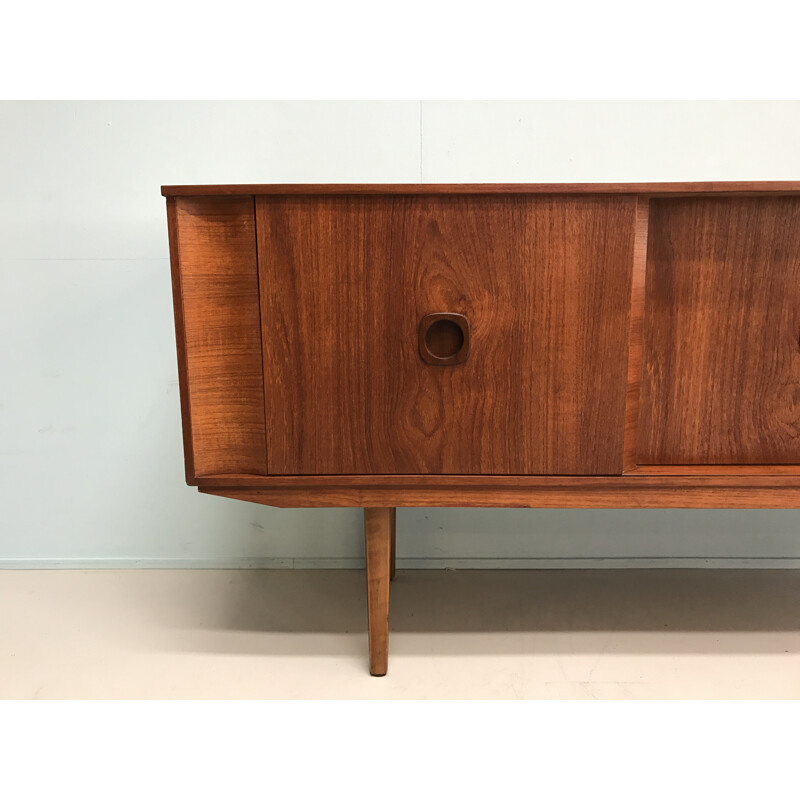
x,y
444,339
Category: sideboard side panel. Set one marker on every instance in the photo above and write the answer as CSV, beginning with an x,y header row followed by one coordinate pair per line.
x,y
215,279
721,381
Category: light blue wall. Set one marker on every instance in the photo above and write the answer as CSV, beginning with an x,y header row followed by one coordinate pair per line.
x,y
90,448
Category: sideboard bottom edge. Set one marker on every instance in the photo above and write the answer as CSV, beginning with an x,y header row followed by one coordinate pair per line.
x,y
646,497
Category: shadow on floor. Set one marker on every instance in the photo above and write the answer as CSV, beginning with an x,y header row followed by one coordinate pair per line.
x,y
552,602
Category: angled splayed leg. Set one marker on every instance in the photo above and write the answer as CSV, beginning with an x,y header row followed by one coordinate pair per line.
x,y
378,532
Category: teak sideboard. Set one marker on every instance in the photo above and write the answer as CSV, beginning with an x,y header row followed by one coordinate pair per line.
x,y
576,345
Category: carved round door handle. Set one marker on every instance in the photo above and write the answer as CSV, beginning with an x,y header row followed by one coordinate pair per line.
x,y
444,339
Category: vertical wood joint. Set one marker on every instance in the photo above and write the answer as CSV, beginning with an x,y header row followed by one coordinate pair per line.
x,y
635,335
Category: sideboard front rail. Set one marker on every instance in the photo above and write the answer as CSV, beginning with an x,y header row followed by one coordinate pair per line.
x,y
748,487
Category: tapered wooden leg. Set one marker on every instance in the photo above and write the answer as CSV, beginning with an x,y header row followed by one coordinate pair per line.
x,y
393,523
378,525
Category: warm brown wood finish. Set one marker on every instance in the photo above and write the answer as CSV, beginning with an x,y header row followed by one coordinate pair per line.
x,y
722,322
613,495
544,283
444,339
393,524
635,333
644,477
734,471
378,525
180,338
649,487
695,187
219,334
551,346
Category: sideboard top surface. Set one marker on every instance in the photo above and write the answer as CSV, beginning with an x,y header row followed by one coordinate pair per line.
x,y
701,187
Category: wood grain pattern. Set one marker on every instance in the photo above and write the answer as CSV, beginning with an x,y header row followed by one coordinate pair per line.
x,y
698,487
635,334
378,547
180,338
721,356
614,496
218,319
393,527
683,187
624,346
736,471
545,284
644,477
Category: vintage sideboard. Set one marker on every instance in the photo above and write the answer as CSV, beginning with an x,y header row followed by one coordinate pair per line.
x,y
576,345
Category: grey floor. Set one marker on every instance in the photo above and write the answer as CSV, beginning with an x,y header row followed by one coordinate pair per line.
x,y
454,634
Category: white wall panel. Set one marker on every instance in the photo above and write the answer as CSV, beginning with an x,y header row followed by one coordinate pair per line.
x,y
90,436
